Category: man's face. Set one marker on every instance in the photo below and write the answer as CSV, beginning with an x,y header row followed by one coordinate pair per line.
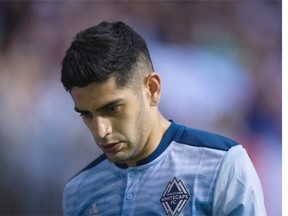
x,y
118,119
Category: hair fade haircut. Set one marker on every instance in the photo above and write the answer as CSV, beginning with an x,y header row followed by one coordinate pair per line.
x,y
101,51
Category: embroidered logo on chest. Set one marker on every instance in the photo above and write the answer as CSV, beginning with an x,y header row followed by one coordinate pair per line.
x,y
174,197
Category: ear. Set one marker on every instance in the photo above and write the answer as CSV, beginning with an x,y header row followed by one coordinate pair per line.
x,y
153,84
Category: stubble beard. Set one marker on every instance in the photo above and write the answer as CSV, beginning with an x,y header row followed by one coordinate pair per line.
x,y
132,149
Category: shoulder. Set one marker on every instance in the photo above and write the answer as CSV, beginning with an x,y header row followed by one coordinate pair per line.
x,y
200,138
238,176
71,190
94,163
237,165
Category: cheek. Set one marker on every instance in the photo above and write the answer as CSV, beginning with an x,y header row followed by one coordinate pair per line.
x,y
129,124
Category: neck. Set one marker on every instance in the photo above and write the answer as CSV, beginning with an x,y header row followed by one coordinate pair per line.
x,y
158,128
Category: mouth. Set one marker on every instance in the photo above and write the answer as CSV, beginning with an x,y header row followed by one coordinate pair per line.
x,y
111,148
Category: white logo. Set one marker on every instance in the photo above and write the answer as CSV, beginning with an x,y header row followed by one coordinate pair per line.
x,y
92,211
174,197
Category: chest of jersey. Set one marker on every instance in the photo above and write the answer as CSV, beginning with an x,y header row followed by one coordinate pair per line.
x,y
180,183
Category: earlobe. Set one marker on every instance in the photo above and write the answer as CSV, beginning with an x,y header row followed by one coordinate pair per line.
x,y
154,86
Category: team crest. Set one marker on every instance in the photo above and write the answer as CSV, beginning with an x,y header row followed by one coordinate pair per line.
x,y
174,197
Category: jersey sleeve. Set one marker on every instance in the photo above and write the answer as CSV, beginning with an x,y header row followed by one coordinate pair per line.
x,y
238,190
70,195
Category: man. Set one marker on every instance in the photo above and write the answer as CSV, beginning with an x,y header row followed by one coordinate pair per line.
x,y
150,166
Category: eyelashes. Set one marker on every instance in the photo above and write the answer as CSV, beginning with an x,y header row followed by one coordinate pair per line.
x,y
107,111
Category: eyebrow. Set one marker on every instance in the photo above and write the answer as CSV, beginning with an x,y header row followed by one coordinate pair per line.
x,y
105,106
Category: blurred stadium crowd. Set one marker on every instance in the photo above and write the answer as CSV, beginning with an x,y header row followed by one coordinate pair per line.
x,y
221,68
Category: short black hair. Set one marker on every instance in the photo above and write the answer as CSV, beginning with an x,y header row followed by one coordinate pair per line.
x,y
110,48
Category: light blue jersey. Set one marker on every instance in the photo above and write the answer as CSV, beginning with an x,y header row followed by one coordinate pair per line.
x,y
191,172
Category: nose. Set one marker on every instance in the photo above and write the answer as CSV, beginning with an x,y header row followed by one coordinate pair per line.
x,y
101,127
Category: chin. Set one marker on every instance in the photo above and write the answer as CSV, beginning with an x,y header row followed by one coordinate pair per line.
x,y
115,159
119,159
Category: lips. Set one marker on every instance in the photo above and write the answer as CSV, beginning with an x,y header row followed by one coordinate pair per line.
x,y
111,148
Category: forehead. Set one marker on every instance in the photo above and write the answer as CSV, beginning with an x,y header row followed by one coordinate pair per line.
x,y
97,94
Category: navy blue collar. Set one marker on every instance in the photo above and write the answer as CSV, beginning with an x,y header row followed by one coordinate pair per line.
x,y
165,142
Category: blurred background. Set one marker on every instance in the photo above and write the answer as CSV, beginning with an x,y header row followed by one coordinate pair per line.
x,y
220,62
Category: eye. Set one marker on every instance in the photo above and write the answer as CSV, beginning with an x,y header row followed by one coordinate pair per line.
x,y
112,109
86,115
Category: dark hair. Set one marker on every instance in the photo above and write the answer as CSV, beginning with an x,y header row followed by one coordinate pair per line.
x,y
100,51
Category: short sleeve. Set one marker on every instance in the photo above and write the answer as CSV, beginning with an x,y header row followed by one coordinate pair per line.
x,y
238,190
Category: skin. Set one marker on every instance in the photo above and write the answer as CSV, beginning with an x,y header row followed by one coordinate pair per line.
x,y
125,122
